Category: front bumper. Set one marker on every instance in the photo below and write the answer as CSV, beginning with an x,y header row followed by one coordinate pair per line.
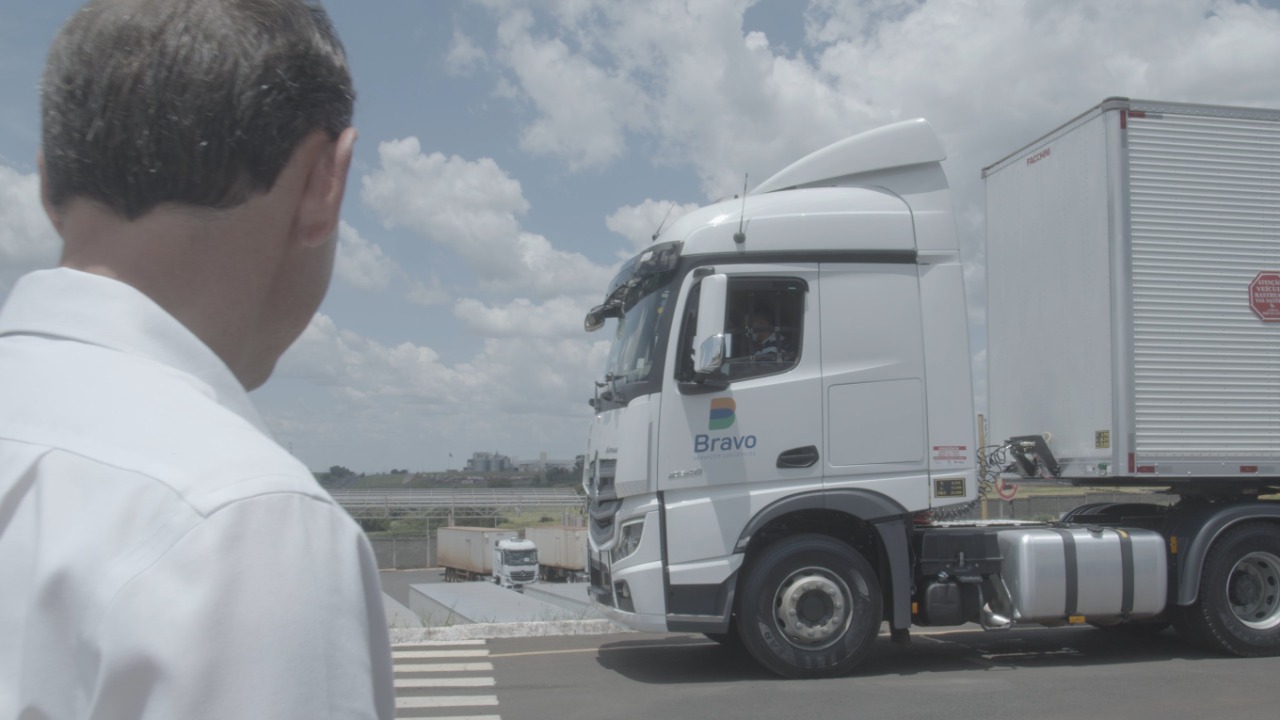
x,y
628,590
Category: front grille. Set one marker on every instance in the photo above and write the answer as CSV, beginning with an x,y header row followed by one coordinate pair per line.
x,y
602,514
523,575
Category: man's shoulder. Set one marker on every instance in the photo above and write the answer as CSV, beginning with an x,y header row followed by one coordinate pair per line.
x,y
142,418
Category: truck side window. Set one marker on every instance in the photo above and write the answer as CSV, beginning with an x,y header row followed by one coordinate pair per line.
x,y
765,323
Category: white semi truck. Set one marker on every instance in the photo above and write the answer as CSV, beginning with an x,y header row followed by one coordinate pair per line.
x,y
476,553
787,414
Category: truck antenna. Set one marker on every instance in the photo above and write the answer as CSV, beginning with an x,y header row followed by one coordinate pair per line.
x,y
658,232
741,237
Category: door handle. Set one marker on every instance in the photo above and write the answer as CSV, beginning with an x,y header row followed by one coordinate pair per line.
x,y
801,457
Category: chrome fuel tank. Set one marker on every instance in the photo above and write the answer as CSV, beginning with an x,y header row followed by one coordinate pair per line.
x,y
1102,574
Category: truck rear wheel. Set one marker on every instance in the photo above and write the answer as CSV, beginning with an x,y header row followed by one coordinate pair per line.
x,y
810,607
1238,610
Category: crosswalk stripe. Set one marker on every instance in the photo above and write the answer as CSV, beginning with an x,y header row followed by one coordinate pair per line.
x,y
437,654
445,667
405,703
453,682
465,717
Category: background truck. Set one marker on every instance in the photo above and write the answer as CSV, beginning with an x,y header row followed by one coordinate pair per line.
x,y
562,551
474,553
793,499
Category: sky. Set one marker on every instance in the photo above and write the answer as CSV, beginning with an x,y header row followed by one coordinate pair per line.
x,y
512,154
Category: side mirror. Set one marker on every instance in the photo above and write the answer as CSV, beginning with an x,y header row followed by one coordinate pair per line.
x,y
594,320
710,355
711,308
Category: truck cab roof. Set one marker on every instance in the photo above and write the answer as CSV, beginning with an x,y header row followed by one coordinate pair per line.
x,y
880,190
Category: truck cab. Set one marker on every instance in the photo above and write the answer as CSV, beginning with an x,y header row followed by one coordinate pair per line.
x,y
795,358
515,563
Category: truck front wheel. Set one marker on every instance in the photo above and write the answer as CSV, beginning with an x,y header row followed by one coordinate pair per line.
x,y
1238,610
810,607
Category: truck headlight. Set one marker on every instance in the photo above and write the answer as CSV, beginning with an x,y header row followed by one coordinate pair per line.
x,y
628,540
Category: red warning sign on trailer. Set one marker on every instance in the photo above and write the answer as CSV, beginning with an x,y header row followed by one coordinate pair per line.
x,y
1264,296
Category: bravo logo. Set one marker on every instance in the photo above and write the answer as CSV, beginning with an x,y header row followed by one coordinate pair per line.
x,y
722,417
722,414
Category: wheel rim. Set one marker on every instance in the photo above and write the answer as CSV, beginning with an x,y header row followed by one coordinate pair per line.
x,y
1253,590
812,607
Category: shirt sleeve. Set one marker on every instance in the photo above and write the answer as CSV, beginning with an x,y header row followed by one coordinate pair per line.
x,y
270,607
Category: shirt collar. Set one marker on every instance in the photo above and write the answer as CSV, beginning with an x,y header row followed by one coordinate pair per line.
x,y
97,310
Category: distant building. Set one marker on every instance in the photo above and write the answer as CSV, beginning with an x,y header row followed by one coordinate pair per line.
x,y
489,462
542,463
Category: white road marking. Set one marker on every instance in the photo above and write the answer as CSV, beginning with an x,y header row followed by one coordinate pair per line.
x,y
455,682
404,703
445,667
437,654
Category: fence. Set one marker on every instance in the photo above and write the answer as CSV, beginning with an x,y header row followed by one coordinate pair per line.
x,y
404,553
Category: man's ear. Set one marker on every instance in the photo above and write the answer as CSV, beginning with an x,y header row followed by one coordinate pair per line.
x,y
326,182
54,216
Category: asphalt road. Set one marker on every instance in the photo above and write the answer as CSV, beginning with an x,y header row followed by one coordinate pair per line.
x,y
1071,673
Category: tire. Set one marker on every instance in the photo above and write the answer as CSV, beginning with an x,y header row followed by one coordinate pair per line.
x,y
810,607
1238,608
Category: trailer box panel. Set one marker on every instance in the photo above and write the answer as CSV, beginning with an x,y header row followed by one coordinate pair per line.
x,y
1130,254
469,548
563,548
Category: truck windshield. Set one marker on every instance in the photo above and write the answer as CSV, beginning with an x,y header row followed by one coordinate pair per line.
x,y
636,335
520,557
638,297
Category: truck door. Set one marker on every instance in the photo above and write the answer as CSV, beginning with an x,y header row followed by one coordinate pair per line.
x,y
874,382
725,453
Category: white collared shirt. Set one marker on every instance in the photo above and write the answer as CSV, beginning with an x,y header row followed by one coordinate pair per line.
x,y
160,555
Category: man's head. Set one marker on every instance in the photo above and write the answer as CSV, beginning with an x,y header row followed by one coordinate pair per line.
x,y
198,150
194,102
760,325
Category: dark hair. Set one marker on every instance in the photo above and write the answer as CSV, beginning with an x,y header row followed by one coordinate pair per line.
x,y
196,102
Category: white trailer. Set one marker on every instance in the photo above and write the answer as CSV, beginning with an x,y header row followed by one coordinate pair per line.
x,y
788,411
466,553
1130,257
562,551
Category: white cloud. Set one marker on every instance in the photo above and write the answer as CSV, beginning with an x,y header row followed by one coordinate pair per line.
x,y
361,369
518,394
27,238
464,55
361,263
990,75
472,208
541,375
583,109
558,317
427,293
639,223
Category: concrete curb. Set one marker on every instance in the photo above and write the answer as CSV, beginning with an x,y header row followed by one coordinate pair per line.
x,y
487,631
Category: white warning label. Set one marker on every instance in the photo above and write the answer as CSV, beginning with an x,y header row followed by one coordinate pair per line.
x,y
953,455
